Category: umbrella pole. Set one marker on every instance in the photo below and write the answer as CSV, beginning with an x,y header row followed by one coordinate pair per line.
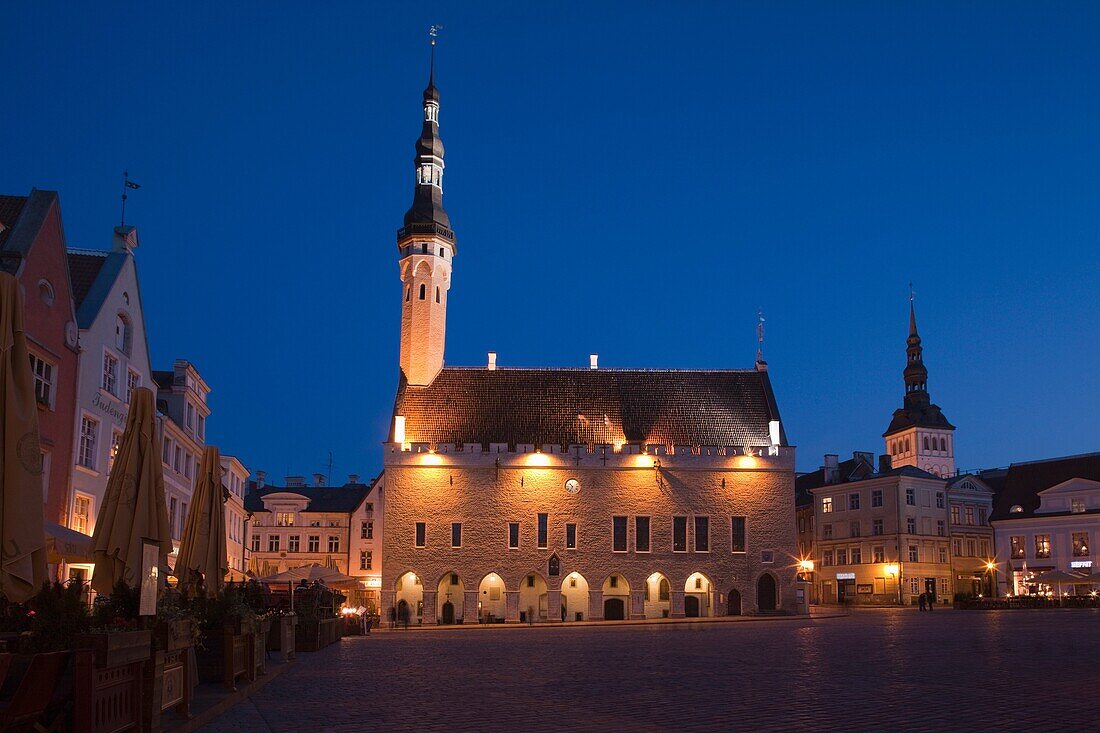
x,y
290,585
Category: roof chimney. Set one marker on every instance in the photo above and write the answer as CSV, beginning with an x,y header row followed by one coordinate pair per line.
x,y
261,479
885,463
353,478
318,479
831,468
592,360
492,361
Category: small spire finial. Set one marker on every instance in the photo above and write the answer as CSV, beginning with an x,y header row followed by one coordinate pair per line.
x,y
126,184
912,293
760,335
433,33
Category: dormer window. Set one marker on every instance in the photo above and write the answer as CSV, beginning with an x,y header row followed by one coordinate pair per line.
x,y
284,519
1016,509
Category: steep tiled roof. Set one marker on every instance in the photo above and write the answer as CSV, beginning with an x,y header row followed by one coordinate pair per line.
x,y
321,498
84,268
1024,481
567,406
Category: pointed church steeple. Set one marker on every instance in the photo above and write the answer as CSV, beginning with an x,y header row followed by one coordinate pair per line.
x,y
426,246
919,434
427,207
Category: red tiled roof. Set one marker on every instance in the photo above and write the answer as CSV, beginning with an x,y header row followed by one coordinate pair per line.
x,y
567,406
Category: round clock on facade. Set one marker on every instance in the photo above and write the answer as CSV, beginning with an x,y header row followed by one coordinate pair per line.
x,y
572,486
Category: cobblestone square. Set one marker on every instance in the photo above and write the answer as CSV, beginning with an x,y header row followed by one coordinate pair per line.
x,y
875,670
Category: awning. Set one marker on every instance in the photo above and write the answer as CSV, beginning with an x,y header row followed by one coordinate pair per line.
x,y
66,545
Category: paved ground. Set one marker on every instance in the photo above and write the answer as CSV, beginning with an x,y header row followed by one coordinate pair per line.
x,y
889,669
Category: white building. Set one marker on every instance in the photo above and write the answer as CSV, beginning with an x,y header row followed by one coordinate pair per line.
x,y
182,414
235,476
114,359
1047,517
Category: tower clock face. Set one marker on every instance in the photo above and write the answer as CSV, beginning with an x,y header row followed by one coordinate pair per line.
x,y
572,486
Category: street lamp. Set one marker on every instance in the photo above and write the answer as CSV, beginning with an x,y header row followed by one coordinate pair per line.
x,y
990,567
894,570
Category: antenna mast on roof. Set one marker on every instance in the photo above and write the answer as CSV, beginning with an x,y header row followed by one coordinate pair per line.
x,y
760,337
126,184
329,479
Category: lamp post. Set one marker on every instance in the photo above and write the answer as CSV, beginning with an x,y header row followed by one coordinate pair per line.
x,y
894,570
990,567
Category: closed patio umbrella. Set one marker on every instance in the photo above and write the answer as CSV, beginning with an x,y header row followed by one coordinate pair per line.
x,y
203,546
23,563
133,508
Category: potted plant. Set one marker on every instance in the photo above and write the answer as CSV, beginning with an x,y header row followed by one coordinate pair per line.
x,y
228,635
116,635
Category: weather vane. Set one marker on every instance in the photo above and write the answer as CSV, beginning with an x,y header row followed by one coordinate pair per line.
x,y
912,293
433,32
126,184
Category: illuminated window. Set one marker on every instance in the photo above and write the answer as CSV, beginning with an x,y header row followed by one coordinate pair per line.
x,y
1042,545
116,438
82,512
284,519
827,505
1080,544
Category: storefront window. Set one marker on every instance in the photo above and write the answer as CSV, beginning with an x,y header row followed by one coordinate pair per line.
x,y
1042,545
1080,544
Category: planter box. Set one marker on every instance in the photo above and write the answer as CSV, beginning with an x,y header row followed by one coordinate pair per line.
x,y
116,648
281,637
172,635
314,635
259,646
225,656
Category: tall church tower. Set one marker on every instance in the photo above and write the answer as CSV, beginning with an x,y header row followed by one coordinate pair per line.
x,y
426,245
919,435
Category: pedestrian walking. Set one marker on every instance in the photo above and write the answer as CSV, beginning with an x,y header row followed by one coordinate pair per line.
x,y
931,602
405,617
393,617
922,602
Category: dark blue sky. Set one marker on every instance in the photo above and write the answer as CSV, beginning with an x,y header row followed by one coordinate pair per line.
x,y
633,181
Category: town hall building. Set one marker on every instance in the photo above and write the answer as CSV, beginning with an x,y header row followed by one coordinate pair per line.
x,y
556,494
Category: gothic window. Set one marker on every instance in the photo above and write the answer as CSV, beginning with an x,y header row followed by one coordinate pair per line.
x,y
408,293
943,444
423,290
436,293
926,442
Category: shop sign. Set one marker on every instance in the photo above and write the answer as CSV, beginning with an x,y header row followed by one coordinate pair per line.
x,y
845,576
1080,563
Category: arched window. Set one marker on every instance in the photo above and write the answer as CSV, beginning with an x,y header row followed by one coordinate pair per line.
x,y
907,448
423,290
664,590
408,293
926,442
45,292
943,444
436,293
122,333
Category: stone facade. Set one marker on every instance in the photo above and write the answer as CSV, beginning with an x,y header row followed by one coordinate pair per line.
x,y
486,491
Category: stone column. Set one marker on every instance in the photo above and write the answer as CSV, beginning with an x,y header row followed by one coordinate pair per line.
x,y
676,606
389,600
469,607
715,604
637,605
511,606
553,605
429,608
595,605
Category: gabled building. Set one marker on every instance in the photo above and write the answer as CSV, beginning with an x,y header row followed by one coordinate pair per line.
x,y
114,360
1047,517
32,247
570,494
235,475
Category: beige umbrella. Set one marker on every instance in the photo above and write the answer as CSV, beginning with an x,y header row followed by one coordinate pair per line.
x,y
67,545
22,539
203,546
133,510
